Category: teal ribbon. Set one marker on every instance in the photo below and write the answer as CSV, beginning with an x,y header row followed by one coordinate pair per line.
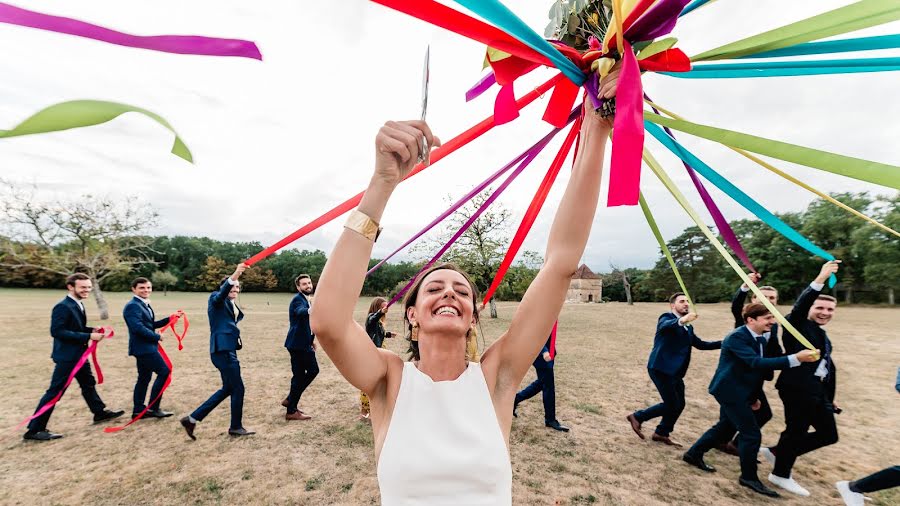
x,y
739,196
693,5
788,68
495,12
833,46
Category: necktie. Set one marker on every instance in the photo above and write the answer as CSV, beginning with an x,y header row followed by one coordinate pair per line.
x,y
152,314
762,344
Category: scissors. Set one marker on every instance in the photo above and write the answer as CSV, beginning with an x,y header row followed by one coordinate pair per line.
x,y
426,71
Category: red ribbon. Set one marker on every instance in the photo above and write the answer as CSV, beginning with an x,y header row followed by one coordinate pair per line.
x,y
628,135
162,352
91,352
533,209
449,147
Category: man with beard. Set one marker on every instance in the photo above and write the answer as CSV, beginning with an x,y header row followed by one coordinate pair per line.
x,y
301,344
667,367
806,391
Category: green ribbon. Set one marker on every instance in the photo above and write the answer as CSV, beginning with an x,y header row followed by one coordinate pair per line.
x,y
665,249
656,47
83,113
856,168
835,46
846,19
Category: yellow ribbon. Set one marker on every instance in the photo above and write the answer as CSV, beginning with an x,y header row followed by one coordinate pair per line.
x,y
790,178
670,185
665,249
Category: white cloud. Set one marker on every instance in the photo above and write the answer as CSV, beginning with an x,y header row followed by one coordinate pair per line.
x,y
279,142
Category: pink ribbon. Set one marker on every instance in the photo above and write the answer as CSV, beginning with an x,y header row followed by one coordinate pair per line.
x,y
628,135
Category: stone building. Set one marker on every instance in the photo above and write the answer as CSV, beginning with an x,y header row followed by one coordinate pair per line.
x,y
585,286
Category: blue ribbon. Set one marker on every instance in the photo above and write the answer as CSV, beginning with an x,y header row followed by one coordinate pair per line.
x,y
788,68
693,5
735,193
498,14
834,46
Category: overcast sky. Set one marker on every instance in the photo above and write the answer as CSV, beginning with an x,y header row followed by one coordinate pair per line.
x,y
278,142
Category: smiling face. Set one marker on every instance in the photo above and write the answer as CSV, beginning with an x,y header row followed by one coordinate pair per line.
x,y
305,286
444,304
769,293
81,289
233,293
680,305
761,324
822,311
143,290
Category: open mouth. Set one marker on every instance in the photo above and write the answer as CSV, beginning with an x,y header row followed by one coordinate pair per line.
x,y
446,311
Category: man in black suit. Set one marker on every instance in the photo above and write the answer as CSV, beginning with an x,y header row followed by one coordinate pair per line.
x,y
761,409
224,341
668,365
143,345
301,344
806,391
735,385
545,383
71,336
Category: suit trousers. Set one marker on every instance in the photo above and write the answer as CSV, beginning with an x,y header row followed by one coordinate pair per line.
x,y
762,415
61,372
671,389
304,369
545,383
884,479
147,365
232,386
803,410
734,417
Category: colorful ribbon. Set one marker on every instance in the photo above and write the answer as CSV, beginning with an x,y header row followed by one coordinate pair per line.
x,y
91,352
665,250
673,189
533,210
181,44
628,135
449,147
739,196
534,150
834,46
856,168
693,5
173,318
788,68
82,113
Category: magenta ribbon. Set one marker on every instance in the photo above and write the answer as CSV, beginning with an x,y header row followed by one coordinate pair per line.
x,y
721,223
481,86
529,157
659,20
180,44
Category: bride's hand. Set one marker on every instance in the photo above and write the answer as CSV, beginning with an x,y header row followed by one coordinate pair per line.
x,y
397,147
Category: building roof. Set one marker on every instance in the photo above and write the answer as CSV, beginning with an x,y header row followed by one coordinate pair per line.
x,y
584,272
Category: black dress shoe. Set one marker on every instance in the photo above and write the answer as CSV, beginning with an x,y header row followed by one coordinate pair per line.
x,y
555,425
107,415
758,487
157,413
189,427
697,462
43,435
240,432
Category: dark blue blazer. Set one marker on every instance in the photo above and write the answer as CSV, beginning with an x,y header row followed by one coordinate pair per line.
x,y
539,362
773,348
672,346
142,340
299,336
71,335
742,368
224,334
803,378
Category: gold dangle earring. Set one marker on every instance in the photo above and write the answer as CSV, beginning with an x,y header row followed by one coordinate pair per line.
x,y
414,334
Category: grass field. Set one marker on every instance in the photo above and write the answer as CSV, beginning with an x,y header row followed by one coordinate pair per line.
x,y
601,376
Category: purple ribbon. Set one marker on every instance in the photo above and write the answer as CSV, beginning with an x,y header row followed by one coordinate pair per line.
x,y
481,86
659,20
180,44
720,221
524,160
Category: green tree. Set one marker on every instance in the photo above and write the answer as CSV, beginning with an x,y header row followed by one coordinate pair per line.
x,y
165,279
881,249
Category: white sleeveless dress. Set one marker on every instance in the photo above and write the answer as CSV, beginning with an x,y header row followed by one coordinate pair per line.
x,y
444,444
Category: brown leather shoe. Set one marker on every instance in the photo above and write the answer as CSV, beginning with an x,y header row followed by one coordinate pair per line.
x,y
284,402
728,448
666,440
635,425
189,427
297,415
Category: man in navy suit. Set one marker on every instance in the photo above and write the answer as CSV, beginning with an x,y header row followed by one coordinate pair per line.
x,y
224,341
301,344
761,409
545,383
742,369
807,391
143,345
71,336
668,365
